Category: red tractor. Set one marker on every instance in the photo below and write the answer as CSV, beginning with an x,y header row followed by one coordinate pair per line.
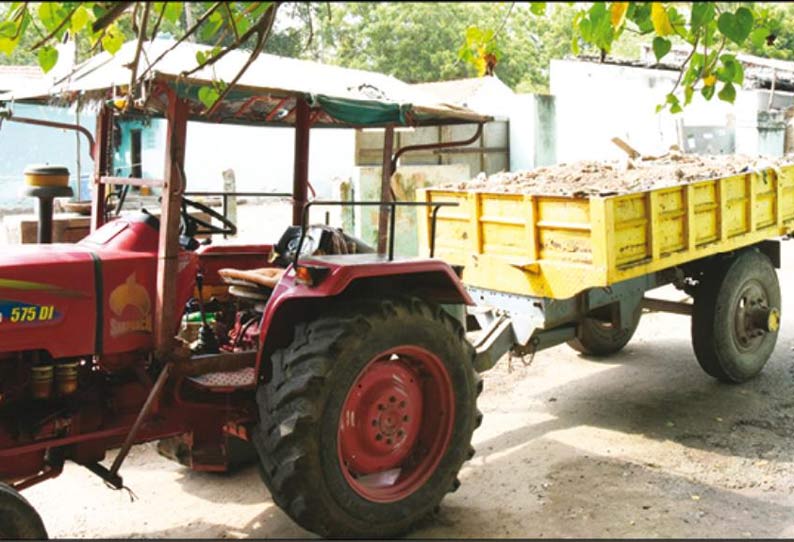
x,y
342,367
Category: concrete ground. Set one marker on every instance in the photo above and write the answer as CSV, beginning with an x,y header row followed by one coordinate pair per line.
x,y
644,445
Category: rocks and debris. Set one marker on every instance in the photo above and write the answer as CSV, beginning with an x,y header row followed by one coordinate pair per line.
x,y
602,178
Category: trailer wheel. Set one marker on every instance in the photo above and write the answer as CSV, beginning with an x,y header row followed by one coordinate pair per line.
x,y
600,337
18,518
368,417
736,317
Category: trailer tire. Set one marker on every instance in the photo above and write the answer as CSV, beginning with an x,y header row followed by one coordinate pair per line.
x,y
18,518
355,363
596,338
729,304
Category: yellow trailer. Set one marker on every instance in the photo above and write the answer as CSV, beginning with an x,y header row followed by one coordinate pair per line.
x,y
579,266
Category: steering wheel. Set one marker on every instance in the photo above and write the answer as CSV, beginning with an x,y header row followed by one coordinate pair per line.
x,y
191,225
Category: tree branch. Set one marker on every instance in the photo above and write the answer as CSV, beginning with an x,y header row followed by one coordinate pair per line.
x,y
255,29
136,58
504,21
187,33
111,15
265,25
49,36
135,27
684,64
231,21
159,20
311,30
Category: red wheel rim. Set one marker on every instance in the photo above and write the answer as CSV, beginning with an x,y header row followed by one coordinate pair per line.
x,y
396,423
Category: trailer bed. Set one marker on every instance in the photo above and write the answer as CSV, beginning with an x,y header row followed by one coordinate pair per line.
x,y
556,246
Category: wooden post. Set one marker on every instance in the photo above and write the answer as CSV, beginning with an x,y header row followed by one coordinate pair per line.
x,y
300,179
102,165
166,311
385,188
230,185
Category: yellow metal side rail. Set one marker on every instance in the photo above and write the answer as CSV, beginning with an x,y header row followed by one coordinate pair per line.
x,y
553,246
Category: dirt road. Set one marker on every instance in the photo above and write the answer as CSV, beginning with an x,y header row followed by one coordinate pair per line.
x,y
645,445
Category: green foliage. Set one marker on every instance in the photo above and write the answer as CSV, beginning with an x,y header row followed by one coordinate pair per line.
x,y
48,57
420,42
113,39
30,31
416,42
208,96
736,26
480,49
661,46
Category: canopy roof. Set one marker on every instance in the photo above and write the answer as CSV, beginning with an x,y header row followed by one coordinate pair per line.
x,y
266,93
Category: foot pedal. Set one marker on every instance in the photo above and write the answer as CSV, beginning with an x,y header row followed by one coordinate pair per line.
x,y
226,381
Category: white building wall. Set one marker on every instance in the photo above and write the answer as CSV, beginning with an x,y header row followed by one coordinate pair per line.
x,y
522,132
261,157
596,102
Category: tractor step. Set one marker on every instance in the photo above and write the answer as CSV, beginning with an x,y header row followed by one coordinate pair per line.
x,y
226,381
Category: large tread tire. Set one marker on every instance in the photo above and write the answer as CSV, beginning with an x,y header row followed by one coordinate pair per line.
x,y
18,518
713,327
300,408
594,338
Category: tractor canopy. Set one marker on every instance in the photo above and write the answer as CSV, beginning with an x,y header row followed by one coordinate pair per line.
x,y
265,94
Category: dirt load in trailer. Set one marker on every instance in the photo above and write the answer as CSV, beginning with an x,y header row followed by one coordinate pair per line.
x,y
594,177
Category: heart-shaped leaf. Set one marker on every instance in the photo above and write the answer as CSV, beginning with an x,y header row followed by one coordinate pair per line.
x,y
173,11
689,90
728,93
702,12
661,46
660,19
79,19
731,70
113,39
618,13
7,29
208,96
48,57
758,37
736,27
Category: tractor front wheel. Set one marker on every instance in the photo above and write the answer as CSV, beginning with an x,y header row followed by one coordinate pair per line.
x,y
368,417
18,518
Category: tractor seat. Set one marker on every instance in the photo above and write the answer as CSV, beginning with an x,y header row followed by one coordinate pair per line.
x,y
253,284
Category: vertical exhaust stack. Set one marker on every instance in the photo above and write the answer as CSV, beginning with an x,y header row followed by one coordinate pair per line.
x,y
46,183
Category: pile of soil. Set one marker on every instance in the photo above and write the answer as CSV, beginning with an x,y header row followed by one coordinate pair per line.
x,y
601,178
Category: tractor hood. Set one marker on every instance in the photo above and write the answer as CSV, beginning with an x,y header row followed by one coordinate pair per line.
x,y
47,299
60,269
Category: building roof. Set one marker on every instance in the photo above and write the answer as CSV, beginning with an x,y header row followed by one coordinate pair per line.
x,y
341,96
19,76
759,72
485,95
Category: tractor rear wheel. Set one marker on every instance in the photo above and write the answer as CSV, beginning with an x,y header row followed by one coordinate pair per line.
x,y
18,518
368,417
